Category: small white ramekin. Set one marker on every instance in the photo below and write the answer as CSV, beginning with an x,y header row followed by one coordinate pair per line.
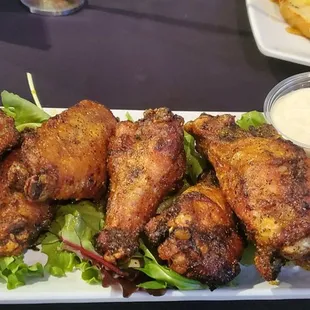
x,y
288,85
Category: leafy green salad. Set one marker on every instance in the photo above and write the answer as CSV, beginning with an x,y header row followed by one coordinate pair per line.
x,y
68,244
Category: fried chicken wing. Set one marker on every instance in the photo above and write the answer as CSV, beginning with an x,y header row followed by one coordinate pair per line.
x,y
266,181
66,157
21,221
202,242
8,134
146,160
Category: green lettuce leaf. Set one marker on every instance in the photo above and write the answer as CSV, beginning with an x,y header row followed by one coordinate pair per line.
x,y
153,285
15,272
195,164
248,255
76,223
252,118
129,117
25,113
164,276
90,274
59,261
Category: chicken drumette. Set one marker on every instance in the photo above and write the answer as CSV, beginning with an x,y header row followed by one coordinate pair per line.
x,y
146,160
199,234
21,221
266,180
66,157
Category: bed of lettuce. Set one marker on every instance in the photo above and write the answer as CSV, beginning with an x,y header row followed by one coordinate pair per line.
x,y
69,242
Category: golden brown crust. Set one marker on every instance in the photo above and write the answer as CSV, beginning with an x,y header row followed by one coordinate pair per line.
x,y
9,136
21,221
265,181
294,14
146,160
202,240
66,157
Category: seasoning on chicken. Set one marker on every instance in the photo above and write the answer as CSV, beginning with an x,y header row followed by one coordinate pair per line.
x,y
266,181
200,239
66,157
146,160
8,134
21,221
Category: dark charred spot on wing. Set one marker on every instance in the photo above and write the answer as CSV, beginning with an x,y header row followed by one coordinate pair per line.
x,y
162,144
115,243
157,228
18,228
135,173
35,188
39,187
305,205
17,176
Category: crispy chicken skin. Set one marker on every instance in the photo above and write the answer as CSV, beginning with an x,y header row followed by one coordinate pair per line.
x,y
266,181
9,136
146,160
66,157
21,221
202,241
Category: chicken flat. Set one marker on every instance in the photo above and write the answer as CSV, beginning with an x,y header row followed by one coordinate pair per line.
x,y
66,157
202,241
146,160
266,181
21,221
8,134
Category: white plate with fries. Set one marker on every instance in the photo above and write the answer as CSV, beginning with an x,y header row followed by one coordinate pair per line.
x,y
273,36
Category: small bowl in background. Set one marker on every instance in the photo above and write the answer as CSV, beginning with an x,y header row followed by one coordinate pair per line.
x,y
286,86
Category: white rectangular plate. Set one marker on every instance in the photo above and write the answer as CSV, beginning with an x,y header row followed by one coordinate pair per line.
x,y
294,282
272,39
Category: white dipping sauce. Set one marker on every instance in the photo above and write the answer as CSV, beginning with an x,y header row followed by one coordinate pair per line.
x,y
290,114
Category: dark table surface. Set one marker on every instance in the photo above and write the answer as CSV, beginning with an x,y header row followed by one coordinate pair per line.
x,y
135,54
184,54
